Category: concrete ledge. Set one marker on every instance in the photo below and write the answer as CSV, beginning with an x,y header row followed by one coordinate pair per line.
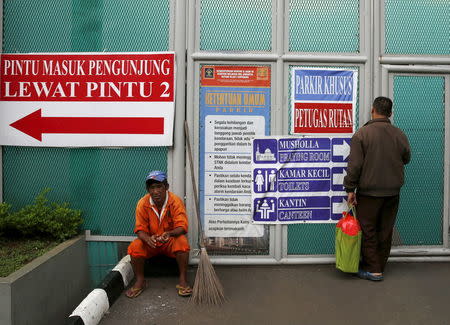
x,y
48,287
91,310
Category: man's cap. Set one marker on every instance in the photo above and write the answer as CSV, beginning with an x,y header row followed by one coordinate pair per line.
x,y
156,175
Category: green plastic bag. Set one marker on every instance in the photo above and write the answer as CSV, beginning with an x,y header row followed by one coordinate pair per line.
x,y
348,243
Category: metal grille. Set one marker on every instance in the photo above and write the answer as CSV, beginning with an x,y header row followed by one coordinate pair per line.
x,y
104,183
314,239
103,257
229,25
105,25
417,27
139,25
419,112
31,26
311,239
86,25
324,26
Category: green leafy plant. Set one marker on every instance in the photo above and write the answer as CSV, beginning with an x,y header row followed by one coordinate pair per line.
x,y
34,230
41,219
4,214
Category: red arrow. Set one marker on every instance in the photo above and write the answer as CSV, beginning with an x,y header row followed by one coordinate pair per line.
x,y
35,124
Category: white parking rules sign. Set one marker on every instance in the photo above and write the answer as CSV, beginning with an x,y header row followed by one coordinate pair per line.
x,y
299,179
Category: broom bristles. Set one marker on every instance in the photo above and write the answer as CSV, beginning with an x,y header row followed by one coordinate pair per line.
x,y
207,287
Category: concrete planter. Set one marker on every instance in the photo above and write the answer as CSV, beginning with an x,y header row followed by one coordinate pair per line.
x,y
46,290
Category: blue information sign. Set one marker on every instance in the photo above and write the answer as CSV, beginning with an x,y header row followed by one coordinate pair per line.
x,y
299,179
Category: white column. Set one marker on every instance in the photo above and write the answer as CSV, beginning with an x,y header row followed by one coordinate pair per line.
x,y
176,155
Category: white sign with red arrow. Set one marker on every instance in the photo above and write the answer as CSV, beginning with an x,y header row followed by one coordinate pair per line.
x,y
100,124
86,99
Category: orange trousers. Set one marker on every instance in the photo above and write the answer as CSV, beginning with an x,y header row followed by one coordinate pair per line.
x,y
138,248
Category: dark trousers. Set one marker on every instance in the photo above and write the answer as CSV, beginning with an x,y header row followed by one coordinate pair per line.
x,y
377,218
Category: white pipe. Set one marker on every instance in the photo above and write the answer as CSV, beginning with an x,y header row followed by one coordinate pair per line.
x,y
234,56
310,260
177,155
238,261
377,26
398,59
416,68
420,252
277,112
274,57
420,259
446,212
190,118
325,58
98,238
367,92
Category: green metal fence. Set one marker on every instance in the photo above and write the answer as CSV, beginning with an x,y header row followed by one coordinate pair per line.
x,y
104,183
420,112
324,26
419,27
229,25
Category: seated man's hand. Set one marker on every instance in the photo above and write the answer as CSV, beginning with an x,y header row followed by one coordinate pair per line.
x,y
152,241
164,237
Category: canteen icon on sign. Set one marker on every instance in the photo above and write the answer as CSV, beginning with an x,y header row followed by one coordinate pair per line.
x,y
265,209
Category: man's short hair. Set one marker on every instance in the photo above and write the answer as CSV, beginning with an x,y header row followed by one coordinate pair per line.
x,y
383,106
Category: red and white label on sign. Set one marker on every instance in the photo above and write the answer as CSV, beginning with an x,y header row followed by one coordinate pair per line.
x,y
235,76
128,97
88,77
323,118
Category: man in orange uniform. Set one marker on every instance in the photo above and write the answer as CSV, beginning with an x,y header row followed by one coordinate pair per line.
x,y
161,225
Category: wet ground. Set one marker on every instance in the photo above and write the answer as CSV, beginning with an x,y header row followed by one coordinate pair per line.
x,y
412,293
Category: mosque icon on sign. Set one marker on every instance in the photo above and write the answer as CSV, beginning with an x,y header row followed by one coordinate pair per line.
x,y
266,156
265,151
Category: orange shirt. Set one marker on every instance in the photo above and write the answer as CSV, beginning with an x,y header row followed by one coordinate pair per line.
x,y
173,215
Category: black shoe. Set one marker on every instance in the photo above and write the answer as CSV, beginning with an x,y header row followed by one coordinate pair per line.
x,y
369,276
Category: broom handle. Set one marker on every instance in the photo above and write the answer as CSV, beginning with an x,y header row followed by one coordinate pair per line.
x,y
194,186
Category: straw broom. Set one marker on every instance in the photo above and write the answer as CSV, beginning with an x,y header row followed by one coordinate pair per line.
x,y
207,287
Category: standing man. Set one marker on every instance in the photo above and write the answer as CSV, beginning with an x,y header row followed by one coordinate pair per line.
x,y
161,223
378,153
